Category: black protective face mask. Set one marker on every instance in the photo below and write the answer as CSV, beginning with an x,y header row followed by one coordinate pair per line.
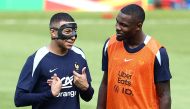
x,y
66,31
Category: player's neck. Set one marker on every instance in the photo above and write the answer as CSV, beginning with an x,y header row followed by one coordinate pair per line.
x,y
135,41
57,50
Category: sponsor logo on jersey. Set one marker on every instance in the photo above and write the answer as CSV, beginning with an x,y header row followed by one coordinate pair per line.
x,y
124,83
127,60
52,70
67,82
67,94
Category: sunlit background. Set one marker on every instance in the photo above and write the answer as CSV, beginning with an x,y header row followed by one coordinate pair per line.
x,y
24,29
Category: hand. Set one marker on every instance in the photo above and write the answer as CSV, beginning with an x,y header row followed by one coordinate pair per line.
x,y
80,80
55,84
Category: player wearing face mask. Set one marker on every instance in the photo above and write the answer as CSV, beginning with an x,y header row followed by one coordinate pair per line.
x,y
57,75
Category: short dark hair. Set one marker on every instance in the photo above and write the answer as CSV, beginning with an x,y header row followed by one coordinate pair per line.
x,y
135,10
60,17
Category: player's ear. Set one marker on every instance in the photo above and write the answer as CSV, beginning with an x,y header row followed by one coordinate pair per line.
x,y
53,33
139,26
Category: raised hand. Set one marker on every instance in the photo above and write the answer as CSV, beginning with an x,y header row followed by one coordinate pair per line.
x,y
55,84
80,80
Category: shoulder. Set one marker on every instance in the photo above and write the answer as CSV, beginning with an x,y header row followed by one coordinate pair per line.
x,y
152,44
79,51
161,66
162,55
110,41
41,52
106,43
38,56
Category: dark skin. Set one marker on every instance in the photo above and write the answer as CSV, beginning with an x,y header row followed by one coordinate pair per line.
x,y
102,95
163,92
129,30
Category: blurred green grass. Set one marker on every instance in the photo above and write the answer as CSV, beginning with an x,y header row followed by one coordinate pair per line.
x,y
22,33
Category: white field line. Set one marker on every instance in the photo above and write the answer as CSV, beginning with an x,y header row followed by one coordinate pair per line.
x,y
90,22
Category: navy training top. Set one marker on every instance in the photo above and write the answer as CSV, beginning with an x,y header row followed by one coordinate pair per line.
x,y
32,88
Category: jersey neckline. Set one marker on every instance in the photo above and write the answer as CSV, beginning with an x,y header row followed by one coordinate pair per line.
x,y
138,48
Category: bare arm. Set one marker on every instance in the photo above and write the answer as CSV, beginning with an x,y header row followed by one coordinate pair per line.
x,y
102,96
163,92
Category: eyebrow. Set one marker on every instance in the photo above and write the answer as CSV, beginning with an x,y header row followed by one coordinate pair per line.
x,y
122,22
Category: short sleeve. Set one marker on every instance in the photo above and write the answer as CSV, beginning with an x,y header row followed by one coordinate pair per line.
x,y
161,66
105,56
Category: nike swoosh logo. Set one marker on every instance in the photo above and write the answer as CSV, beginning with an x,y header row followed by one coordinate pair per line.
x,y
52,70
127,60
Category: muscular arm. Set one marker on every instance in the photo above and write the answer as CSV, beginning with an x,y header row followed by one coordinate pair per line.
x,y
162,79
163,92
102,96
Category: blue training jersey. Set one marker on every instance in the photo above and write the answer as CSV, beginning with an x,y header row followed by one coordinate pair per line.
x,y
32,88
